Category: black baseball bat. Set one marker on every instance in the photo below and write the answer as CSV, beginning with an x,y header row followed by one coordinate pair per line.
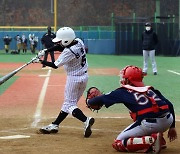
x,y
11,74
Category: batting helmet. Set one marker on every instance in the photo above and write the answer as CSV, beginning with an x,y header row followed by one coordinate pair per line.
x,y
132,73
66,35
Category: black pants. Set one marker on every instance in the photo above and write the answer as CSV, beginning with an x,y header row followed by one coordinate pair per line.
x,y
51,54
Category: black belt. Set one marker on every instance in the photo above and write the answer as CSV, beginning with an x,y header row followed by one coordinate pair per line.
x,y
167,115
151,120
154,120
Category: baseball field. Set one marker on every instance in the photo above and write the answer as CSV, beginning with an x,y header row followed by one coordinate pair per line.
x,y
33,98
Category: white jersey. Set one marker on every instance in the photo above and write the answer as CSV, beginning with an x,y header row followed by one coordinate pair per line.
x,y
73,59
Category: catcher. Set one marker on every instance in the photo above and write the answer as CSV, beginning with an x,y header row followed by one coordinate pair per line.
x,y
152,113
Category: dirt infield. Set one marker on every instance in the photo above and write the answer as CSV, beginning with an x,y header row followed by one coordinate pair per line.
x,y
20,104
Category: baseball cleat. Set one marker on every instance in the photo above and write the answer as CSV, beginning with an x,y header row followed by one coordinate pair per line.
x,y
87,126
50,129
158,143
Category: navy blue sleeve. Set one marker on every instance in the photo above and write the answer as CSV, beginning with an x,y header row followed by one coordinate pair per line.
x,y
109,99
96,101
50,64
55,48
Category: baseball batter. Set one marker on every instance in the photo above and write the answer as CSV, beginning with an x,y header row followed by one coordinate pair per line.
x,y
73,58
152,113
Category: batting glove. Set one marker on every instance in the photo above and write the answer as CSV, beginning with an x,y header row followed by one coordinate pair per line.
x,y
41,53
35,60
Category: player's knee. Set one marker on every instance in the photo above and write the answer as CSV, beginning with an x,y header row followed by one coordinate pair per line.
x,y
71,109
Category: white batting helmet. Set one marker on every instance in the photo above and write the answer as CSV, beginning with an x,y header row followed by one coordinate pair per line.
x,y
66,35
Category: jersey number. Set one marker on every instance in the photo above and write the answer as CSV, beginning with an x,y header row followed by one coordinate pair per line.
x,y
83,60
142,99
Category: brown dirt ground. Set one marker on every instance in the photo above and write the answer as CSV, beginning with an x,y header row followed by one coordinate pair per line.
x,y
17,107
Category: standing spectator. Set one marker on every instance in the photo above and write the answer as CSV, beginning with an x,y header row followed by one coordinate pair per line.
x,y
149,42
36,41
46,40
18,42
32,43
24,43
7,41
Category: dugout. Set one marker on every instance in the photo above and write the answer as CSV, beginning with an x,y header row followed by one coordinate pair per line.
x,y
128,37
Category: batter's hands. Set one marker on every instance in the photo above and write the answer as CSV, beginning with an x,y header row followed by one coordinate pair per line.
x,y
35,60
41,53
172,134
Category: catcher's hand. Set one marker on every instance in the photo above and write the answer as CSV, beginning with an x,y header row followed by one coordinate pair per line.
x,y
91,93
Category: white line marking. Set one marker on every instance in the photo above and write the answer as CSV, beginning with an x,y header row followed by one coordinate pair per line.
x,y
14,137
50,85
173,72
37,115
43,75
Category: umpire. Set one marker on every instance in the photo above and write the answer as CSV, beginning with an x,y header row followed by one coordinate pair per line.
x,y
46,41
149,42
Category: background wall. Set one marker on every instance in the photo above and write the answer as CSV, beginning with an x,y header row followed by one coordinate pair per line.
x,y
96,45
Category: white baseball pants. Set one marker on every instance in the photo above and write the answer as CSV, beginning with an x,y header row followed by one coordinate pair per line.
x,y
146,55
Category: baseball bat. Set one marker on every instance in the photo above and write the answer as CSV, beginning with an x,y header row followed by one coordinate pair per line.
x,y
11,74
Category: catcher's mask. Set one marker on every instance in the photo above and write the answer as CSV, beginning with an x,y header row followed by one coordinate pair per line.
x,y
133,75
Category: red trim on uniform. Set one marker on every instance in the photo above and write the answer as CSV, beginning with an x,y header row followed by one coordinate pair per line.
x,y
141,112
131,140
147,110
143,139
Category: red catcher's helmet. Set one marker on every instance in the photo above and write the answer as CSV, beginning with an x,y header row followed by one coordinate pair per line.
x,y
134,74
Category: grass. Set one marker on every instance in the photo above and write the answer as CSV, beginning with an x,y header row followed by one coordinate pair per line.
x,y
5,85
167,82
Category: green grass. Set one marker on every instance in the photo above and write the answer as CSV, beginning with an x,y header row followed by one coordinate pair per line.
x,y
9,58
5,85
168,83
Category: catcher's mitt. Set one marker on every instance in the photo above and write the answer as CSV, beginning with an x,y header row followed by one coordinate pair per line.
x,y
91,93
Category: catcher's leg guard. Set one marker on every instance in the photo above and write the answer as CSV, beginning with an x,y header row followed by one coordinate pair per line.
x,y
135,144
118,145
139,144
163,146
157,145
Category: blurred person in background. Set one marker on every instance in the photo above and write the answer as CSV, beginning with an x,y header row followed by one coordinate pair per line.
x,y
149,42
7,40
46,41
18,42
24,43
32,42
36,41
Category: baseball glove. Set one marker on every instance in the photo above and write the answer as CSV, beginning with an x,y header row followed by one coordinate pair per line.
x,y
91,93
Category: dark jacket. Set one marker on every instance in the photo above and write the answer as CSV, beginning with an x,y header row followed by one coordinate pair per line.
x,y
46,40
7,40
149,40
